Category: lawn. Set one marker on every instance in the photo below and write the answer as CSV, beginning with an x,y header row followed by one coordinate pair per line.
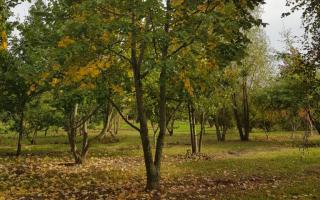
x,y
277,168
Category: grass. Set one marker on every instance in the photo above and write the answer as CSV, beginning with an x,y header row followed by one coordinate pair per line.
x,y
259,169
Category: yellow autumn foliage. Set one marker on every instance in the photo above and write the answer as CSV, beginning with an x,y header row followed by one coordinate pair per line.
x,y
186,83
177,2
92,69
202,7
56,67
87,85
65,42
117,89
54,82
79,18
4,40
105,37
230,73
32,88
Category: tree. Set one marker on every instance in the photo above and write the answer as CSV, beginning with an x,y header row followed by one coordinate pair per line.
x,y
16,74
142,38
254,72
311,57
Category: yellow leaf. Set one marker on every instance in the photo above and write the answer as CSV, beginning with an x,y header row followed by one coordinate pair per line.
x,y
105,37
54,82
177,2
65,42
4,40
56,67
202,7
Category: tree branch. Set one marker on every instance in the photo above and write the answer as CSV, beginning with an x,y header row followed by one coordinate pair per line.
x,y
120,55
122,116
87,117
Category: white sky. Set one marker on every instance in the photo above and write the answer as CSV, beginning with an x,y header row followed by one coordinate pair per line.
x,y
272,15
277,25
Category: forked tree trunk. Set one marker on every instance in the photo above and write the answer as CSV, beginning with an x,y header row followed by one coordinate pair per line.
x,y
79,157
192,123
152,174
152,165
107,125
72,133
151,170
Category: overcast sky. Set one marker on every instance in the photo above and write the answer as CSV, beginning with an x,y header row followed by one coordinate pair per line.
x,y
272,15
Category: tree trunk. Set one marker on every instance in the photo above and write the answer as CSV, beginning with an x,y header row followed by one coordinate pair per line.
x,y
266,131
116,124
155,131
108,115
246,120
21,133
155,183
202,131
217,125
224,132
171,127
46,131
316,125
224,124
151,172
72,133
152,166
294,129
33,139
315,122
193,137
237,117
162,117
85,143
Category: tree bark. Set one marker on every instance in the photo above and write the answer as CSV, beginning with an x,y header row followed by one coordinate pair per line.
x,y
170,129
237,116
21,132
246,120
151,171
33,139
85,143
202,131
193,137
107,118
152,165
46,131
218,132
217,125
72,133
315,122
